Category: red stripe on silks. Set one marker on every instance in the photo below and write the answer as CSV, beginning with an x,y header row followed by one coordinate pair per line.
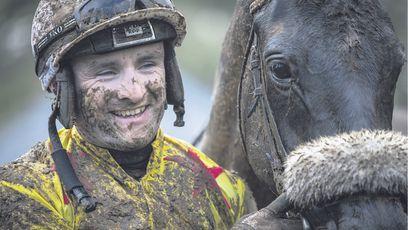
x,y
66,199
213,172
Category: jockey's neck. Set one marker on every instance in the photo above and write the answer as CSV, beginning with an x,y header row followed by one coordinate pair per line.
x,y
135,162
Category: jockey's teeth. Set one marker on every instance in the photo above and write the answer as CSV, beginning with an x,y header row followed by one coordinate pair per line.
x,y
129,113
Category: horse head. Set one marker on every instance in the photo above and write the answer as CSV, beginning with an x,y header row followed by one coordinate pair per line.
x,y
321,68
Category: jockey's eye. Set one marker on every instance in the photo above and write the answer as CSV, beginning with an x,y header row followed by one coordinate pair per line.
x,y
281,70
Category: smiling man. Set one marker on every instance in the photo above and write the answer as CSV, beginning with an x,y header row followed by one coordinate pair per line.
x,y
121,96
112,68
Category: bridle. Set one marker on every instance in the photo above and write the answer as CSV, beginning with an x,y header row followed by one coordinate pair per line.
x,y
277,152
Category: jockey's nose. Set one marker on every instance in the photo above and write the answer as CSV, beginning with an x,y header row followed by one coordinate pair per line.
x,y
132,86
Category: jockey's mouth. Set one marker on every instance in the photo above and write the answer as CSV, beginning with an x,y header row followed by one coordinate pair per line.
x,y
136,112
137,116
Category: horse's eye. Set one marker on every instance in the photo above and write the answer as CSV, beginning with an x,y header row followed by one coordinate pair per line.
x,y
281,70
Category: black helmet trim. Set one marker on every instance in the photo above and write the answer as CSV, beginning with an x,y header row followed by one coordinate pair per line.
x,y
123,36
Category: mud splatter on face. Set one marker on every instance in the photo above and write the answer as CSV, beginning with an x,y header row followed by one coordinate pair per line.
x,y
120,105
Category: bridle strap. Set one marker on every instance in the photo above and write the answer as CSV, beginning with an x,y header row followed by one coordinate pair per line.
x,y
243,69
271,123
275,157
277,152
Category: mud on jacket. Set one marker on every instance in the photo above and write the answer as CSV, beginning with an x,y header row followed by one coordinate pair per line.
x,y
182,188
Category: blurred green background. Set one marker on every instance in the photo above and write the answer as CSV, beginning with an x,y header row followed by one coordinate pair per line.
x,y
207,22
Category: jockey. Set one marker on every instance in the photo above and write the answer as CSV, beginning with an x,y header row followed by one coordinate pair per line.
x,y
112,68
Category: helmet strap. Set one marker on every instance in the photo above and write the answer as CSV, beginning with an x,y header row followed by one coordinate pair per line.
x,y
174,83
66,98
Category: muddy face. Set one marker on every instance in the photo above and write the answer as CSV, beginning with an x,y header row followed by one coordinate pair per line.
x,y
120,96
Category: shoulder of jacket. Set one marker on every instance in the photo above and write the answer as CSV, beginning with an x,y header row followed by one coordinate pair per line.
x,y
23,205
24,172
38,153
191,151
32,168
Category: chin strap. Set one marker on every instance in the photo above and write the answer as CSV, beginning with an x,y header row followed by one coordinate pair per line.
x,y
65,170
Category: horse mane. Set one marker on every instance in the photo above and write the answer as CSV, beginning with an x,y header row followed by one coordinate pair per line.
x,y
331,168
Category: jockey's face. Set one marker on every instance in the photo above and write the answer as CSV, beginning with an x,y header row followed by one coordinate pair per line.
x,y
121,96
